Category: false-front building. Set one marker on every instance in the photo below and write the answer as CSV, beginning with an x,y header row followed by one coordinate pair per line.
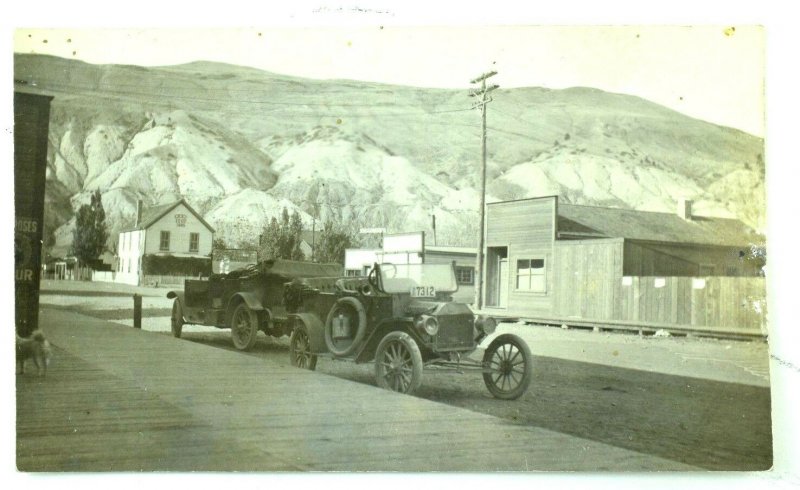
x,y
546,259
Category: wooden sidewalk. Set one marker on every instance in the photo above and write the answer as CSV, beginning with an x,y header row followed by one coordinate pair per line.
x,y
120,399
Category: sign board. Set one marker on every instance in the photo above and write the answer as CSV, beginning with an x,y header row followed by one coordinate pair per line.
x,y
31,126
355,259
404,243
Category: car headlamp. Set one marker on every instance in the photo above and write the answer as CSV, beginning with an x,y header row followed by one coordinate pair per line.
x,y
486,324
427,323
431,325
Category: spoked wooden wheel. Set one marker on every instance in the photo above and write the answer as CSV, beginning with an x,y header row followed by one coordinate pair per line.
x,y
300,349
508,367
398,363
244,327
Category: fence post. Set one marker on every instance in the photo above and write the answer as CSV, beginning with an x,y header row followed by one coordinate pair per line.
x,y
137,311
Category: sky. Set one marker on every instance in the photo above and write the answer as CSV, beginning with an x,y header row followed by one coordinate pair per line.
x,y
714,73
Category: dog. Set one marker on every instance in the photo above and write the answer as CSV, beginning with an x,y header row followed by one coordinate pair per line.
x,y
35,347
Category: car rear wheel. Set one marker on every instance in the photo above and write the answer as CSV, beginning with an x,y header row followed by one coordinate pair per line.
x,y
300,348
398,363
508,367
177,319
244,327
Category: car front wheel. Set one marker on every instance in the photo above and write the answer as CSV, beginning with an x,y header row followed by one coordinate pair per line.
x,y
300,349
508,367
244,327
398,363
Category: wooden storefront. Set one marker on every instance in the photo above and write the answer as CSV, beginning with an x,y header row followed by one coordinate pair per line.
x,y
545,260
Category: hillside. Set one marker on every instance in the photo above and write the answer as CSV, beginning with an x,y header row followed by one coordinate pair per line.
x,y
240,144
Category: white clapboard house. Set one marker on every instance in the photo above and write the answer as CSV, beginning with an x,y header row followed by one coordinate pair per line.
x,y
169,229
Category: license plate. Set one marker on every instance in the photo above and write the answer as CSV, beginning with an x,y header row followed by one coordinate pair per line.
x,y
423,292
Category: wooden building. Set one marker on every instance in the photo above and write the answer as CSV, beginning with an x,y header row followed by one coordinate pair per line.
x,y
547,259
173,229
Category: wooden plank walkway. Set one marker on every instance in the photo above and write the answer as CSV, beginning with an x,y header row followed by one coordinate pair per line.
x,y
121,399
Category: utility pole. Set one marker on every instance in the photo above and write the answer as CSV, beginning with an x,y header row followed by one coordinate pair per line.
x,y
483,99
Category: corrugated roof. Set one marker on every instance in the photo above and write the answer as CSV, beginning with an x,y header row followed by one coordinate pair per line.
x,y
594,221
152,214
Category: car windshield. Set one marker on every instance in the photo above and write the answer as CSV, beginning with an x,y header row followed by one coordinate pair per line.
x,y
418,279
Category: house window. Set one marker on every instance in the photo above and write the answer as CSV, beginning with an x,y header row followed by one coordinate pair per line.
x,y
164,244
531,275
194,242
465,275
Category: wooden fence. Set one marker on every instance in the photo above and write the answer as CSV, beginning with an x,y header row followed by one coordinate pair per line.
x,y
727,302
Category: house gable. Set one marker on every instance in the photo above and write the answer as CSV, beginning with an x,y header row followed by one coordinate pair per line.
x,y
154,214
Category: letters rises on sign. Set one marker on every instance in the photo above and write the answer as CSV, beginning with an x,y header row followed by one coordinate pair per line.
x,y
31,125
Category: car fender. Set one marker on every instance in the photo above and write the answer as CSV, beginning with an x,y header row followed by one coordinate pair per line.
x,y
252,301
367,352
316,330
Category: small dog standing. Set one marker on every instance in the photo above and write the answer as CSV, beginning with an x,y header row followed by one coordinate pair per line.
x,y
35,347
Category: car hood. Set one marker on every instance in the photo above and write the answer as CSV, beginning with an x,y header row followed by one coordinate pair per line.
x,y
439,308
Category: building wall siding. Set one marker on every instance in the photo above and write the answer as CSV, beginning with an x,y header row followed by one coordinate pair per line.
x,y
526,223
527,229
587,273
658,259
179,235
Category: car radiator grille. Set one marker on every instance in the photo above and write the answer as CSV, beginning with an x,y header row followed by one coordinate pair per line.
x,y
455,333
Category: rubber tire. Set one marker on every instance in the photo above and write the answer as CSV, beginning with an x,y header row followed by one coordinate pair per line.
x,y
309,360
527,369
408,350
360,332
252,328
176,320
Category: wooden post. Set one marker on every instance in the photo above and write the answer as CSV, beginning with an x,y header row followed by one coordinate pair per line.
x,y
137,311
482,93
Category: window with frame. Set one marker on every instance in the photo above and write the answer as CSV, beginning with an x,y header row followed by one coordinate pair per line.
x,y
164,243
531,275
465,275
194,242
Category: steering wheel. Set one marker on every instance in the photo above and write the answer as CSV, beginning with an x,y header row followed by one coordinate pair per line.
x,y
372,279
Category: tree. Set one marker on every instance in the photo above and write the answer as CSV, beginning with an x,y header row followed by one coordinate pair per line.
x,y
333,241
281,240
90,235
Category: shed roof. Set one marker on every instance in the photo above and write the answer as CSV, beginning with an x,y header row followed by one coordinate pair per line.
x,y
152,214
446,249
594,221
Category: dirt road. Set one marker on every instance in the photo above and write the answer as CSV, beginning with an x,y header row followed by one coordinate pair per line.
x,y
699,401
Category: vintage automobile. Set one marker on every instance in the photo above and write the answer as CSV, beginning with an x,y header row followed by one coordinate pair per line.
x,y
402,318
246,300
